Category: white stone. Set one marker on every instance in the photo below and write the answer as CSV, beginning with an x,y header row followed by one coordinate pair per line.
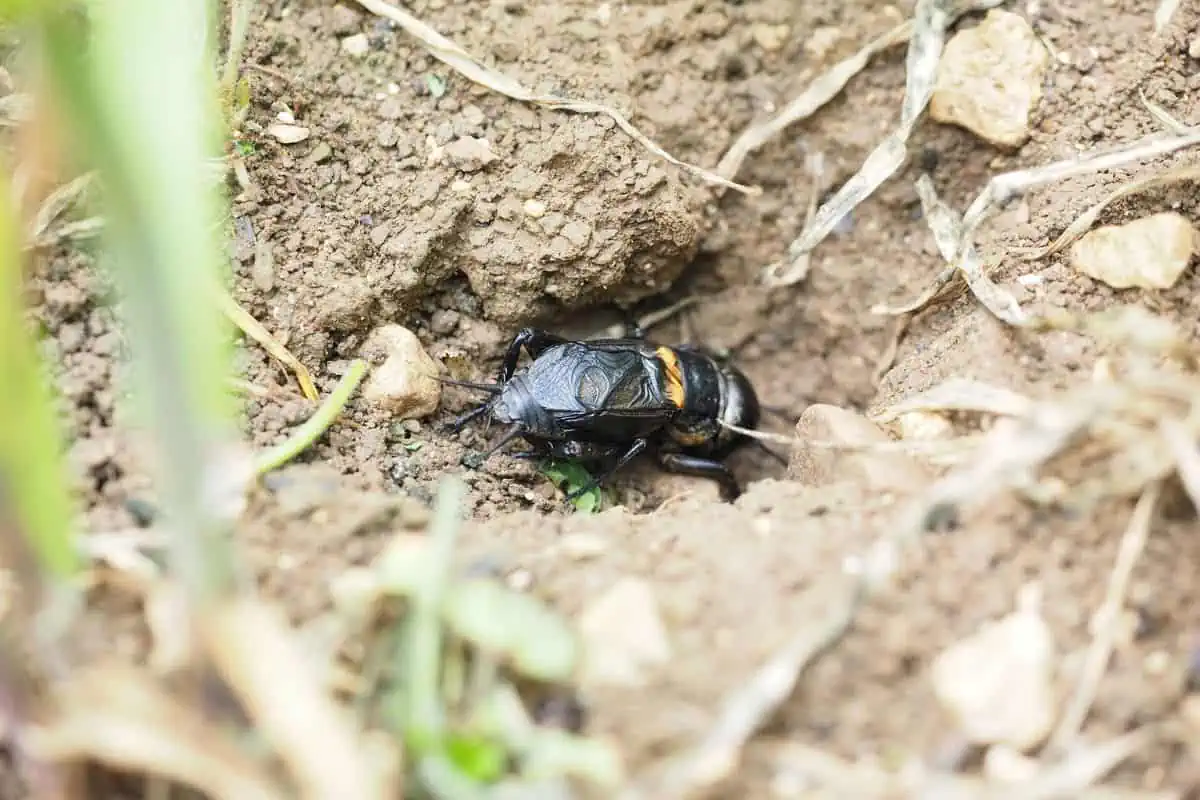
x,y
997,684
288,134
1149,253
356,45
990,77
405,383
624,636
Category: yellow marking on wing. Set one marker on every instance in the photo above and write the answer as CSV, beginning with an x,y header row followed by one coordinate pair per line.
x,y
674,376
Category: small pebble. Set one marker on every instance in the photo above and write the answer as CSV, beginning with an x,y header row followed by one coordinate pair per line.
x,y
468,153
356,45
990,79
321,153
998,683
405,384
624,636
1149,253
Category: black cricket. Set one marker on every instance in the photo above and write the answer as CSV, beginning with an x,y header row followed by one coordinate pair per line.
x,y
606,401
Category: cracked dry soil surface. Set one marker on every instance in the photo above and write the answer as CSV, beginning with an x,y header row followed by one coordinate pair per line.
x,y
381,217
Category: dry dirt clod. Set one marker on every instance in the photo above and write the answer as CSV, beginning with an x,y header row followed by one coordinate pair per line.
x,y
820,466
624,636
286,133
998,683
990,79
1149,253
405,383
468,153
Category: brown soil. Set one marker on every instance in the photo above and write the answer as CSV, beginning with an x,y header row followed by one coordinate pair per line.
x,y
365,230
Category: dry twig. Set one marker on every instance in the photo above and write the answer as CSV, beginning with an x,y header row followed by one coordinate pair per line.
x,y
932,19
1133,542
1083,223
1070,779
823,89
471,68
832,605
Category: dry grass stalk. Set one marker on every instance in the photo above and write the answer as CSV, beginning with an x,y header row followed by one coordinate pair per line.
x,y
1070,779
931,448
1163,13
256,331
471,68
832,605
931,21
1133,542
120,717
248,641
824,88
1084,222
1003,189
960,252
960,394
1163,117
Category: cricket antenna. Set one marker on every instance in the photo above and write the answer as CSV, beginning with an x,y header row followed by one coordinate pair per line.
x,y
490,388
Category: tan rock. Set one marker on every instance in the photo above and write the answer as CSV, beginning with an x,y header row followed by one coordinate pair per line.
x,y
818,465
469,153
624,636
405,383
1149,253
990,78
997,684
356,45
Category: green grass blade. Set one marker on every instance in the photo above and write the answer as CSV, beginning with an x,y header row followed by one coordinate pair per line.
x,y
33,479
138,91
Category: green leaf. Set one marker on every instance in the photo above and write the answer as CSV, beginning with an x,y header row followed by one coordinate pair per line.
x,y
436,85
514,627
480,759
570,476
554,753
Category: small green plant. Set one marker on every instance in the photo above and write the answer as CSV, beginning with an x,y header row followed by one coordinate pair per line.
x,y
570,476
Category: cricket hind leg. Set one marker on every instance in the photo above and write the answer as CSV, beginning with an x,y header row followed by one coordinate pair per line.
x,y
683,464
638,447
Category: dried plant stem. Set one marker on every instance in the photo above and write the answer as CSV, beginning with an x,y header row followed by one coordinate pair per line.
x,y
467,65
1133,542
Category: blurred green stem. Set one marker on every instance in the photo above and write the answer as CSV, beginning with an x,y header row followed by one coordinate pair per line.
x,y
316,425
425,716
136,85
33,478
